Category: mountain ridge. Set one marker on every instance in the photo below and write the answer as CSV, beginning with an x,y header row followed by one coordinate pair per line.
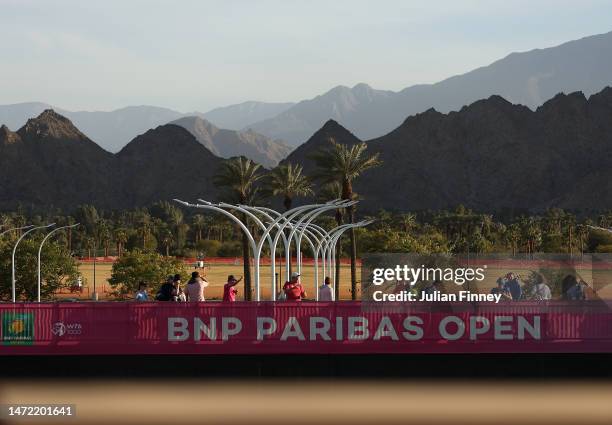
x,y
528,78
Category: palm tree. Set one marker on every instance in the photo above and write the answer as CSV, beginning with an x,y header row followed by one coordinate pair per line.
x,y
343,164
167,239
239,176
144,227
176,220
104,235
329,191
199,222
90,244
408,221
121,238
513,236
288,181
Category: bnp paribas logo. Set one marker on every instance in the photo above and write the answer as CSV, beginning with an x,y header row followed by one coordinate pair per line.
x,y
17,328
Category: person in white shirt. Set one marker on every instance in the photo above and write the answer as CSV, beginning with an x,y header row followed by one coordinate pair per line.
x,y
194,290
326,293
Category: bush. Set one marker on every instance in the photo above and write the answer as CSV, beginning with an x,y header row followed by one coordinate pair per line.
x,y
230,249
136,266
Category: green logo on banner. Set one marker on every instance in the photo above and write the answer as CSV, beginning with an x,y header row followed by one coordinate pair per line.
x,y
17,328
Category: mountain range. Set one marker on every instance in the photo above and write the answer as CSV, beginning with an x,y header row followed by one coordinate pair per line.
x,y
527,78
491,156
113,130
49,162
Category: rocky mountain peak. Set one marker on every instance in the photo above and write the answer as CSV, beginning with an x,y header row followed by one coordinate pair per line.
x,y
7,136
51,125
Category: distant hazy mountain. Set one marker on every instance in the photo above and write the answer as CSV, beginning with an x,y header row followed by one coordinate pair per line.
x,y
236,117
229,143
528,78
111,130
114,129
15,116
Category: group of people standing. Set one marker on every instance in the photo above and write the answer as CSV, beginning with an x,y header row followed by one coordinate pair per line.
x,y
173,290
512,289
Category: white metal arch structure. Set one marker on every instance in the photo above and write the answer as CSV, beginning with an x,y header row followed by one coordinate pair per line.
x,y
314,209
232,217
314,231
266,213
337,233
286,217
13,277
244,209
309,220
600,228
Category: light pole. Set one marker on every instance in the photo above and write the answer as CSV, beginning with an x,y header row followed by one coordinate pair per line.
x,y
15,228
13,279
40,251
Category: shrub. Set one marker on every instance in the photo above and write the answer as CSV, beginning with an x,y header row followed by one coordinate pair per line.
x,y
136,266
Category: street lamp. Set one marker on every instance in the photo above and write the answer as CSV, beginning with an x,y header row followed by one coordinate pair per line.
x,y
40,251
13,279
15,228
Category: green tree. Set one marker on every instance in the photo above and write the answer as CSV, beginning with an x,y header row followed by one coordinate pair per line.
x,y
343,164
167,239
333,190
239,176
136,266
288,182
104,235
121,237
198,222
58,269
145,226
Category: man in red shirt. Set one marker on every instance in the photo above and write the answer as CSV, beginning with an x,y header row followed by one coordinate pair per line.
x,y
294,289
229,292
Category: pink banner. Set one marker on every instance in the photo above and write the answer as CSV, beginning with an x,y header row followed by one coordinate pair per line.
x,y
306,328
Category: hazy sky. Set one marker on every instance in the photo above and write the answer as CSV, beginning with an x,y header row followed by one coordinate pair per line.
x,y
195,55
